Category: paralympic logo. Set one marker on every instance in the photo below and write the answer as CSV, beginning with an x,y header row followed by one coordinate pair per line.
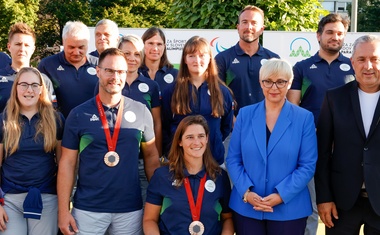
x,y
300,51
215,43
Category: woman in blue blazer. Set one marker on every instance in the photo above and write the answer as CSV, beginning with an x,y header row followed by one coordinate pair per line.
x,y
271,158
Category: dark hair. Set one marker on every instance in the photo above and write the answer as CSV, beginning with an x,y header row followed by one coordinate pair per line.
x,y
332,18
176,154
164,61
111,52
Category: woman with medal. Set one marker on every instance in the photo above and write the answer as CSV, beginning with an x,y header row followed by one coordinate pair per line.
x,y
198,90
31,134
271,158
190,194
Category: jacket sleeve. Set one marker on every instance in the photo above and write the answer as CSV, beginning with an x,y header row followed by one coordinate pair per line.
x,y
297,180
322,176
234,160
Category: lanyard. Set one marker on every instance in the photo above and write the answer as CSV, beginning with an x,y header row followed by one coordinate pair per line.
x,y
195,209
111,142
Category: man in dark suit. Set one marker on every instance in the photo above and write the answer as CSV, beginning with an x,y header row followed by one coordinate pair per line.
x,y
347,177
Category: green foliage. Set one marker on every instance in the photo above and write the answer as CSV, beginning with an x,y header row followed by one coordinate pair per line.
x,y
368,15
288,15
72,10
13,11
48,17
210,14
135,14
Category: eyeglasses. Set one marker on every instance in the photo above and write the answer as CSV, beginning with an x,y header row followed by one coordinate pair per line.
x,y
24,86
110,72
279,83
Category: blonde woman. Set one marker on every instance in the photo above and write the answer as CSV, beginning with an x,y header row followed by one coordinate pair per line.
x,y
31,133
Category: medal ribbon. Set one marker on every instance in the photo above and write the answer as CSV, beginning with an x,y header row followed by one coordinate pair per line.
x,y
195,209
111,142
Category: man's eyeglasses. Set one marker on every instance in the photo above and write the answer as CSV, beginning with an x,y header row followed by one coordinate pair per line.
x,y
279,83
110,72
24,86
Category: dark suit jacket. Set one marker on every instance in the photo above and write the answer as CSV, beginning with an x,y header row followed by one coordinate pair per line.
x,y
346,157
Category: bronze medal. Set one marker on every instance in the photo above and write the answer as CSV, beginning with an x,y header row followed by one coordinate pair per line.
x,y
196,228
111,158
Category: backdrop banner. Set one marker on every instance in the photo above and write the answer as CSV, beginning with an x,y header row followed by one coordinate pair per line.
x,y
292,46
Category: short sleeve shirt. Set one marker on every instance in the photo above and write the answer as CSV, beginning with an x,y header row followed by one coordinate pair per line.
x,y
93,57
314,76
101,188
241,73
220,128
72,87
175,216
164,76
4,60
30,165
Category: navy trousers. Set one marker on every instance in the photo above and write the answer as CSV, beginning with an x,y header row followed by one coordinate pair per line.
x,y
248,226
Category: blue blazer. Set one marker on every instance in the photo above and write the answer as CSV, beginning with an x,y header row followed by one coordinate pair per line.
x,y
285,166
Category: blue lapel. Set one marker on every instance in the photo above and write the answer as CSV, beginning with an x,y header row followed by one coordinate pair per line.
x,y
259,128
283,122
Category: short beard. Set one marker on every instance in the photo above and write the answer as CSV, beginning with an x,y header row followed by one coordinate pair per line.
x,y
331,51
248,40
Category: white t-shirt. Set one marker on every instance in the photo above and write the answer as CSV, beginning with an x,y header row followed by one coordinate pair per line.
x,y
368,102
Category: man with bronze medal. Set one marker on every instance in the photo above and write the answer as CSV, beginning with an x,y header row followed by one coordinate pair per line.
x,y
107,132
190,194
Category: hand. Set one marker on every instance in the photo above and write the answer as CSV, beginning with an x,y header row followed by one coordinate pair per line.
x,y
66,223
3,219
273,199
257,202
325,210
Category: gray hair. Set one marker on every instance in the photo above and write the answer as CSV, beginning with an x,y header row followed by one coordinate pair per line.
x,y
364,39
276,66
75,29
111,23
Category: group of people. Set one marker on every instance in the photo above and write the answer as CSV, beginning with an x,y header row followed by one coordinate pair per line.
x,y
145,144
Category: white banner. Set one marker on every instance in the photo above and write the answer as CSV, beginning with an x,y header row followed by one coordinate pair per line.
x,y
293,46
297,46
219,39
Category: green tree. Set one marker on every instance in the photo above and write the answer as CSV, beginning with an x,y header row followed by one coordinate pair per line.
x,y
52,16
289,15
368,15
134,13
62,11
13,11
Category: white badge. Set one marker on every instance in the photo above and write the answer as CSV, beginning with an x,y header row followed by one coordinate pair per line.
x,y
130,116
168,78
210,186
344,67
91,71
208,92
143,87
263,61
